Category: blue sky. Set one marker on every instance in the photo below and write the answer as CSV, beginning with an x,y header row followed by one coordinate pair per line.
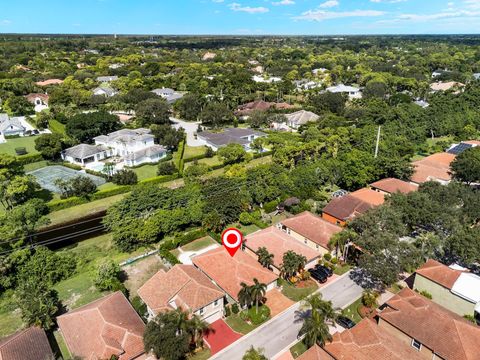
x,y
241,17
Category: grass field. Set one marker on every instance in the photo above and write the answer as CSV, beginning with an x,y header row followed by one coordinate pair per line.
x,y
297,294
298,349
192,151
207,161
146,171
199,244
35,166
62,346
56,127
201,355
10,320
27,142
238,325
351,311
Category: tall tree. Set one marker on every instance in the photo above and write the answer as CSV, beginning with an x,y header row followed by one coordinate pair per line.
x,y
257,293
264,257
153,111
466,166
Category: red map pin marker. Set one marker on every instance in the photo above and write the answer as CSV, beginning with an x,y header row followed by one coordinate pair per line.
x,y
232,240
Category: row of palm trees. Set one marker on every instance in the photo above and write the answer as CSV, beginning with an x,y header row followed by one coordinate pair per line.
x,y
316,315
253,294
292,263
193,325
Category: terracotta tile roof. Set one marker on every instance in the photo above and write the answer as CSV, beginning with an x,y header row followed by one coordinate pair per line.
x,y
433,167
49,82
369,196
367,341
312,227
439,273
184,284
32,97
228,272
446,333
472,142
443,86
347,207
108,326
258,105
315,353
31,343
392,185
278,243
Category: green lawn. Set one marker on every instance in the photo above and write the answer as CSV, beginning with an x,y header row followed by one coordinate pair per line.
x,y
35,166
56,127
75,212
245,229
27,142
352,311
238,325
192,151
213,161
199,244
298,349
107,186
146,171
201,355
297,294
10,320
342,269
62,346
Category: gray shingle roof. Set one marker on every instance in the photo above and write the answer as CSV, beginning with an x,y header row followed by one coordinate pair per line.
x,y
149,151
301,117
126,135
229,136
83,151
107,78
108,91
6,123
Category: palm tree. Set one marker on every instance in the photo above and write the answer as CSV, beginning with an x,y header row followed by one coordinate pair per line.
x,y
265,258
181,320
197,328
244,295
315,304
315,329
254,354
292,263
257,292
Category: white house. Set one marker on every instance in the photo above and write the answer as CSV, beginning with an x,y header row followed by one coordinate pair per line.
x,y
476,76
84,154
40,101
299,118
269,80
103,79
216,140
10,126
168,94
306,84
352,91
104,91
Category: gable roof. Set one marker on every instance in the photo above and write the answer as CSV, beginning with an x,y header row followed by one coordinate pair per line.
x,y
33,96
107,78
439,273
107,90
229,136
342,88
301,117
366,341
31,343
126,136
105,327
444,86
369,196
315,353
10,123
433,167
148,151
184,283
347,207
241,268
278,243
392,185
312,227
49,82
444,332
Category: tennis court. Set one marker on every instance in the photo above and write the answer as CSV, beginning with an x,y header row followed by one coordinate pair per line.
x,y
46,176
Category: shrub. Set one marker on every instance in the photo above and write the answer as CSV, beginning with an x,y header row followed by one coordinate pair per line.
x,y
235,308
80,186
209,153
227,311
140,307
190,236
30,158
260,317
270,206
334,260
102,194
56,205
470,318
166,168
369,298
327,256
125,177
245,218
426,294
108,277
168,256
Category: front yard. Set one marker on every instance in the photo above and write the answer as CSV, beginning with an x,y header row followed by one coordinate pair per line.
x,y
238,323
352,311
298,291
28,142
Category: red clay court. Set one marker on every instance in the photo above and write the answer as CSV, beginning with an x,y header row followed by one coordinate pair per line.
x,y
220,337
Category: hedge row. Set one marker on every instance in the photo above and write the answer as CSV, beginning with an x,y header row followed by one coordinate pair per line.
x,y
263,154
159,179
102,194
167,255
30,158
62,204
181,240
196,157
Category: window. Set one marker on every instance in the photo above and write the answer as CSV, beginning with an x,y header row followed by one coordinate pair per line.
x,y
201,311
215,303
305,241
416,344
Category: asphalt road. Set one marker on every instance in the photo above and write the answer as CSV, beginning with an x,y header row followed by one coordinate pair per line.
x,y
190,128
282,330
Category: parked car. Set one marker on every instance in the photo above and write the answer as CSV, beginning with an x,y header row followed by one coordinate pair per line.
x,y
325,269
320,276
345,322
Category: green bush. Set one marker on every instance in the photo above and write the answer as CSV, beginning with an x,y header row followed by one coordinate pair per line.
x,y
62,204
260,317
235,308
245,218
125,177
334,261
140,307
159,179
167,255
270,206
327,256
108,277
426,294
166,168
102,194
29,158
227,311
190,236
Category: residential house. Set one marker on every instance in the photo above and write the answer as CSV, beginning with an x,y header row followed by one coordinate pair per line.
x,y
104,79
84,154
277,242
299,118
319,71
451,287
310,230
40,101
11,126
435,167
260,105
241,268
49,82
209,56
445,86
266,79
422,103
391,186
258,69
186,287
217,140
439,72
305,84
345,208
352,91
457,149
432,330
104,328
365,341
31,343
169,95
104,91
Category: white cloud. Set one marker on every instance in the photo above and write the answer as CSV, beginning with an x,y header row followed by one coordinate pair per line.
x,y
472,4
439,16
5,22
248,9
388,1
329,4
283,2
319,15
218,1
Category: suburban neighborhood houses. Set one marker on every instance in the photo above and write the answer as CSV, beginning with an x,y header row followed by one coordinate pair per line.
x,y
239,197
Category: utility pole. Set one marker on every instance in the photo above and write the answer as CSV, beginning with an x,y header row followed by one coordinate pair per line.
x,y
378,142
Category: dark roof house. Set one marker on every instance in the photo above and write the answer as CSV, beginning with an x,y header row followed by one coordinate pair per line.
x,y
28,344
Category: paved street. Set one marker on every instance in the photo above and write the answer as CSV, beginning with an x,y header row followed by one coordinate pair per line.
x,y
282,330
190,128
